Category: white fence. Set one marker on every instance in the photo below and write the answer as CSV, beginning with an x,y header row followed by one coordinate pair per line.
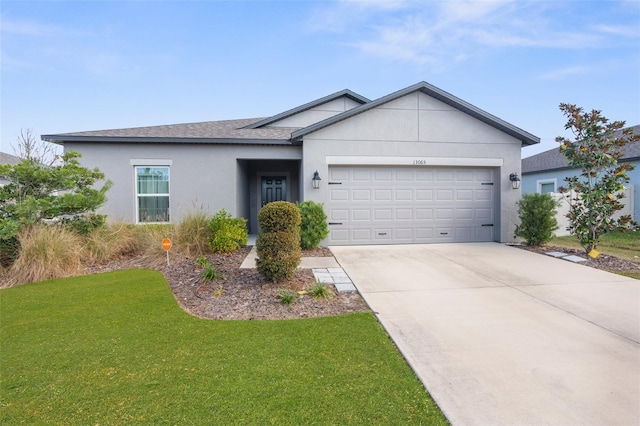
x,y
563,209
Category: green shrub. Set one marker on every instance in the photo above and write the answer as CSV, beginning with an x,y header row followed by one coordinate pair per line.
x,y
227,233
278,255
279,216
537,218
320,291
278,244
287,297
313,226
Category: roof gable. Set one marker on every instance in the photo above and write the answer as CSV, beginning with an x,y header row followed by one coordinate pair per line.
x,y
436,93
343,94
553,159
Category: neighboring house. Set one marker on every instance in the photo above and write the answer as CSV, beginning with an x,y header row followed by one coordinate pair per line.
x,y
545,173
7,159
416,166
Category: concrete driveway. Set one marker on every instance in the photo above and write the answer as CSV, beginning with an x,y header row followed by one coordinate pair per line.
x,y
499,335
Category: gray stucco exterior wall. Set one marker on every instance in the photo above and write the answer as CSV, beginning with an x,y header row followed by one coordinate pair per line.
x,y
208,177
416,129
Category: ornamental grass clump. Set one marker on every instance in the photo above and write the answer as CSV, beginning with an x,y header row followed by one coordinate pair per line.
x,y
46,252
192,234
278,244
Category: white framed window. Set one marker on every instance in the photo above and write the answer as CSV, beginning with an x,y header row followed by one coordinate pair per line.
x,y
546,186
152,194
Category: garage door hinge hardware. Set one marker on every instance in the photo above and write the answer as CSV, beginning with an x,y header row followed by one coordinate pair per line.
x,y
487,224
335,183
335,223
486,183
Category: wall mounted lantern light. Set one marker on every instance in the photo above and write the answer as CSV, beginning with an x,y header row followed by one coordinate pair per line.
x,y
316,180
515,180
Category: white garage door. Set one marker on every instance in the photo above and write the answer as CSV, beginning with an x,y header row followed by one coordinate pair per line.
x,y
400,205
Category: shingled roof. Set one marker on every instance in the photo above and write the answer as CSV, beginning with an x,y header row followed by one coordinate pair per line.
x,y
234,131
553,159
257,131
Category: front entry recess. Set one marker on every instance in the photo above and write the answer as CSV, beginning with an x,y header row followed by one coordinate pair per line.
x,y
274,188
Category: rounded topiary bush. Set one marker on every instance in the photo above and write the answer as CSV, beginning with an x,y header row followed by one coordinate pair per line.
x,y
278,244
313,227
279,216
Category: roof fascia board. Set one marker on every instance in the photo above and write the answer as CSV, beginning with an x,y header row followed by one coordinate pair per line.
x,y
62,139
441,95
346,92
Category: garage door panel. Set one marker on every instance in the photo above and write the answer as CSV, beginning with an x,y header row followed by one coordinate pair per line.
x,y
464,214
383,234
484,233
338,214
339,194
362,175
444,175
385,205
424,194
464,194
383,214
404,195
404,214
338,174
424,175
361,214
404,234
362,234
444,195
484,195
339,236
404,175
484,214
361,195
383,195
464,233
424,214
385,175
444,214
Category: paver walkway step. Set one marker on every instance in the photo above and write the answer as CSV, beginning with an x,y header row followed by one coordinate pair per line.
x,y
325,270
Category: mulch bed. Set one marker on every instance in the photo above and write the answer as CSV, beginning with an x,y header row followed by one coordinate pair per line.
x,y
243,294
604,262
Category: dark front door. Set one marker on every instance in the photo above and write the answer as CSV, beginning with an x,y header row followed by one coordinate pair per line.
x,y
274,188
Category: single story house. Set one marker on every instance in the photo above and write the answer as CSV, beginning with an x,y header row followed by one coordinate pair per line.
x,y
545,173
416,166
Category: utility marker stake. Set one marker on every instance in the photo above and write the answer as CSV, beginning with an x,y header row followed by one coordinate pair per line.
x,y
166,246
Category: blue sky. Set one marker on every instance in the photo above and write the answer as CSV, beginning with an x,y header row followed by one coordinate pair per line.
x,y
71,66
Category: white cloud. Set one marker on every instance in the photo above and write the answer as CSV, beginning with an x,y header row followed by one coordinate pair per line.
x,y
439,32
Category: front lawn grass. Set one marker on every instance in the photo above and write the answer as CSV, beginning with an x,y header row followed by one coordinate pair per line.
x,y
625,245
115,348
